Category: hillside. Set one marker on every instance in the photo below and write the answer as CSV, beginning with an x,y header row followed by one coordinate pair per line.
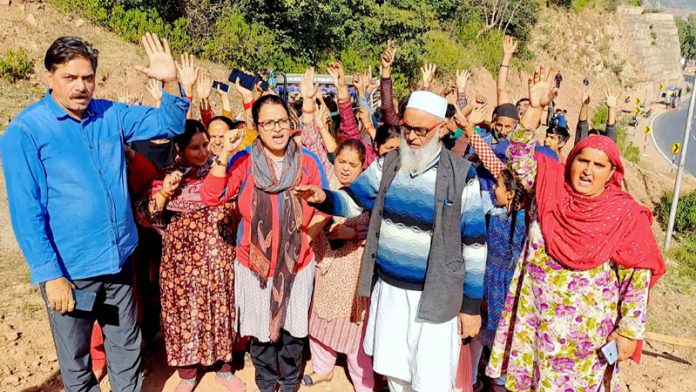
x,y
29,362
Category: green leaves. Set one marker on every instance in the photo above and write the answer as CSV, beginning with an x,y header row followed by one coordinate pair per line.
x,y
687,36
15,65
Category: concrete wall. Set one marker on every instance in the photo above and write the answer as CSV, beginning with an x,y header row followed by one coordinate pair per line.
x,y
652,41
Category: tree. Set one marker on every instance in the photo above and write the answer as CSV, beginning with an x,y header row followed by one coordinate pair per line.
x,y
687,36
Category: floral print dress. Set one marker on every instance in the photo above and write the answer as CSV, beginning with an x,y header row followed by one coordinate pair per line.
x,y
197,281
555,320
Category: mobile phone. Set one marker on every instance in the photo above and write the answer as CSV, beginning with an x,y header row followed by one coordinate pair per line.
x,y
610,351
245,80
224,87
84,300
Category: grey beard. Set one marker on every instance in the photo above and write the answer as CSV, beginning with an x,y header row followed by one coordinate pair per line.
x,y
414,160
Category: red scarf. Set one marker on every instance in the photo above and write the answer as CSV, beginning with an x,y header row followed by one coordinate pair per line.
x,y
583,232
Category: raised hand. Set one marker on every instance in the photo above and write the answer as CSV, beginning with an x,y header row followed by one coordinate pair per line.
x,y
204,86
335,69
308,88
172,181
244,92
161,63
586,97
154,87
611,99
428,71
364,116
387,59
478,115
509,46
462,77
187,72
233,138
124,96
542,87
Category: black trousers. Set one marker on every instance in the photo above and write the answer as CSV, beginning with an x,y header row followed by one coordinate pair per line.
x,y
278,362
115,311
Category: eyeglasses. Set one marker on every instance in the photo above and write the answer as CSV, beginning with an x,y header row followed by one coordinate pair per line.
x,y
270,125
420,132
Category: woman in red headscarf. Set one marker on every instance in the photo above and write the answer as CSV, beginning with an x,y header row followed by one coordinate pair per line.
x,y
589,263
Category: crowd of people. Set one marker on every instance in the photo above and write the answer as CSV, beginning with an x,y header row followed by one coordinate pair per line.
x,y
436,247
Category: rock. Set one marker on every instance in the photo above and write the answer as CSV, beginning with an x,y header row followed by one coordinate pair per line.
x,y
12,380
5,2
79,23
32,21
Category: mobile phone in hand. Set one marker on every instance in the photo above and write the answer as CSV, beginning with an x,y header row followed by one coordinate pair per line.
x,y
84,300
245,80
610,351
225,88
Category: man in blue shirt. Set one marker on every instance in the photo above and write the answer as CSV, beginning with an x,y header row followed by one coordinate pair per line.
x,y
64,165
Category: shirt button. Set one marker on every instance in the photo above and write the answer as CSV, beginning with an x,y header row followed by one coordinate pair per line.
x,y
373,255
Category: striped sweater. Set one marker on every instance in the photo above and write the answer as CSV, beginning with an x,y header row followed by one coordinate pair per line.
x,y
407,225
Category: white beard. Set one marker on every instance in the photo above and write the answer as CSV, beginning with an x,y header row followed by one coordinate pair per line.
x,y
414,160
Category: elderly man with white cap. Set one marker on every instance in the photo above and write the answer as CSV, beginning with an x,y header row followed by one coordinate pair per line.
x,y
425,253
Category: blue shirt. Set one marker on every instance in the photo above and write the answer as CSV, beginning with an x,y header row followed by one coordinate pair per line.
x,y
66,182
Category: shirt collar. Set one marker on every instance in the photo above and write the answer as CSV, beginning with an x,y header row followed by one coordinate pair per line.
x,y
60,112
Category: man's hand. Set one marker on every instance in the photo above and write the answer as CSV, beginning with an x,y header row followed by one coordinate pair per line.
x,y
586,97
428,71
626,346
59,294
387,59
187,72
310,193
204,87
478,115
509,46
161,63
469,325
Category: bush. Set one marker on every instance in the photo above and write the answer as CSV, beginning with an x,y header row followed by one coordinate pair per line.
x,y
16,65
686,212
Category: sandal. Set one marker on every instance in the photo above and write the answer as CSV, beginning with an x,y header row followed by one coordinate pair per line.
x,y
309,382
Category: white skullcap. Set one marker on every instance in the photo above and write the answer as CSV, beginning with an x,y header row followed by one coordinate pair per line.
x,y
429,103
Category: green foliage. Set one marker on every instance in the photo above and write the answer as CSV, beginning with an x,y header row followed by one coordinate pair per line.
x,y
599,118
687,36
289,35
683,253
15,65
685,221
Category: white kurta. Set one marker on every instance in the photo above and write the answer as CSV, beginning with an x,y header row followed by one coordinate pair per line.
x,y
422,353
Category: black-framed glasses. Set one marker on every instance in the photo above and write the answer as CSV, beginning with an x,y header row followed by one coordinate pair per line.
x,y
270,125
419,131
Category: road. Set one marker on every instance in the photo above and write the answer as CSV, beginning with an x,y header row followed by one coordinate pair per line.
x,y
668,128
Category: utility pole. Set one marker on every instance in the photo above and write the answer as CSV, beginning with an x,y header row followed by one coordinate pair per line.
x,y
680,170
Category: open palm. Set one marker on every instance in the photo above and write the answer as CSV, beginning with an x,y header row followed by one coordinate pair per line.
x,y
161,63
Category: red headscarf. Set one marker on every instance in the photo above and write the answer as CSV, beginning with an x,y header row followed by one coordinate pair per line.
x,y
584,232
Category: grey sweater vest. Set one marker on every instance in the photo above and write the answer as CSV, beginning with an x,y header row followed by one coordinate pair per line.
x,y
442,296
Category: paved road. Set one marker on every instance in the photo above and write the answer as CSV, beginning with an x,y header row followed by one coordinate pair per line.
x,y
668,128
